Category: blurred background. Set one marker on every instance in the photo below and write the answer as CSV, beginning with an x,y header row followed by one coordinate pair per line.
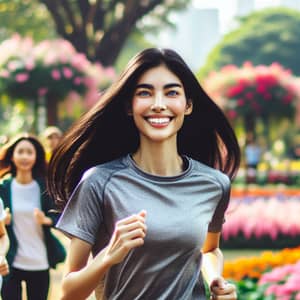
x,y
56,57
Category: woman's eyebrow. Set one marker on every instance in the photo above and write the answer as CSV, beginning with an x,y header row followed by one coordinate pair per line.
x,y
151,87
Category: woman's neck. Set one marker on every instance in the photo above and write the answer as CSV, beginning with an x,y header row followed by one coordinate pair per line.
x,y
24,177
159,160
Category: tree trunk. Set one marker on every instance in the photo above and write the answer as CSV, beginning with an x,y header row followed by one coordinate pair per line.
x,y
51,105
250,124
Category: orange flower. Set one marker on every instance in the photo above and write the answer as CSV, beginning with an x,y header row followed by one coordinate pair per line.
x,y
254,267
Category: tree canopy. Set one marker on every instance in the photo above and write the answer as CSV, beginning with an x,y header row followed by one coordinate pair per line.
x,y
26,17
263,37
100,28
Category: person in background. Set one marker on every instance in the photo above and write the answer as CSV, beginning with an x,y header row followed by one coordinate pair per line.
x,y
4,244
253,154
33,247
51,137
143,180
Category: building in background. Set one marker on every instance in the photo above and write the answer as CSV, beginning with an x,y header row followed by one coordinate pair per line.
x,y
244,7
291,3
196,32
201,27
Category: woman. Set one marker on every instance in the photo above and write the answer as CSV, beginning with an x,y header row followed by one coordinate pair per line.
x,y
33,248
51,137
141,180
4,244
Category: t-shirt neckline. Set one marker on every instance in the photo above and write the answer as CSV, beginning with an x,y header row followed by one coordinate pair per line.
x,y
186,160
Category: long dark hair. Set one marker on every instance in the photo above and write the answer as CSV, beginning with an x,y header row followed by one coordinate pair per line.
x,y
106,132
6,153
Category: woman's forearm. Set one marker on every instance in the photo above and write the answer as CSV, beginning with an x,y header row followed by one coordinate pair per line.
x,y
212,264
80,284
4,245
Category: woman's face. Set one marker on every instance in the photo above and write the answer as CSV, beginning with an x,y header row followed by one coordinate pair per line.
x,y
159,104
24,156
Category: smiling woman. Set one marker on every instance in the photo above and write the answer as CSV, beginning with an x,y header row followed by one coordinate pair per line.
x,y
149,200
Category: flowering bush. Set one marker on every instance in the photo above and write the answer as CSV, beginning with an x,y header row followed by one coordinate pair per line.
x,y
259,90
244,214
28,71
269,276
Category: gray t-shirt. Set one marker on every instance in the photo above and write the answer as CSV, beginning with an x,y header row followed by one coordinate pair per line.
x,y
180,211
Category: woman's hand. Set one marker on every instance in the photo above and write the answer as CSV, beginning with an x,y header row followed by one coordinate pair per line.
x,y
4,268
129,233
222,290
7,219
41,218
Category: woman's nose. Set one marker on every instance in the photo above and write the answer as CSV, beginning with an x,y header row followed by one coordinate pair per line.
x,y
158,104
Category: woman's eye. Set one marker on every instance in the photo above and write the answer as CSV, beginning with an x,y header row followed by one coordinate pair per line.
x,y
142,93
172,93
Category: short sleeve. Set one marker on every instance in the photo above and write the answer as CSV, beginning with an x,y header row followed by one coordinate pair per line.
x,y
2,212
218,217
82,216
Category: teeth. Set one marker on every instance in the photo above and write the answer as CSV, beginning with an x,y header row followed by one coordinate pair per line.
x,y
158,120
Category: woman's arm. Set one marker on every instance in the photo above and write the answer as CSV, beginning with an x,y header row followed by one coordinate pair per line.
x,y
41,218
212,268
4,245
82,277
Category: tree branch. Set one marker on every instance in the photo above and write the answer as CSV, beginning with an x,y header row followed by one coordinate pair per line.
x,y
84,7
69,13
53,8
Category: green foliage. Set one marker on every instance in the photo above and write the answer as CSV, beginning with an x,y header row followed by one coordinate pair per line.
x,y
263,37
134,44
15,116
248,289
26,17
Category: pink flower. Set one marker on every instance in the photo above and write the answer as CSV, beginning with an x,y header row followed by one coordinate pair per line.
x,y
42,91
232,114
271,290
13,65
55,74
4,74
77,80
29,65
22,77
68,73
240,102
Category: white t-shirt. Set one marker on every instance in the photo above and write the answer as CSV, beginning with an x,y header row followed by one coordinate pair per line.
x,y
31,252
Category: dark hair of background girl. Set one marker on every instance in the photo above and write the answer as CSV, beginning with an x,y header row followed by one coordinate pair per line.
x,y
106,132
6,154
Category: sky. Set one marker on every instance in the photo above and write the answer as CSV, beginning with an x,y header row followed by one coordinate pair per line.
x,y
227,8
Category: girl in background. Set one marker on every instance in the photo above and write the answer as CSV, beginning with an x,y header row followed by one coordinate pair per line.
x,y
4,244
33,248
143,179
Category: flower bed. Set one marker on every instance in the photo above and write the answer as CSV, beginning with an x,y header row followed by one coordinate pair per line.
x,y
254,222
282,283
267,277
254,267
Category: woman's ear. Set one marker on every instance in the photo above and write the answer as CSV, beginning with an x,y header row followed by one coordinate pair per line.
x,y
188,107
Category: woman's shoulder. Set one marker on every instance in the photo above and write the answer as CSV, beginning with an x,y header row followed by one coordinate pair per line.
x,y
215,174
104,171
